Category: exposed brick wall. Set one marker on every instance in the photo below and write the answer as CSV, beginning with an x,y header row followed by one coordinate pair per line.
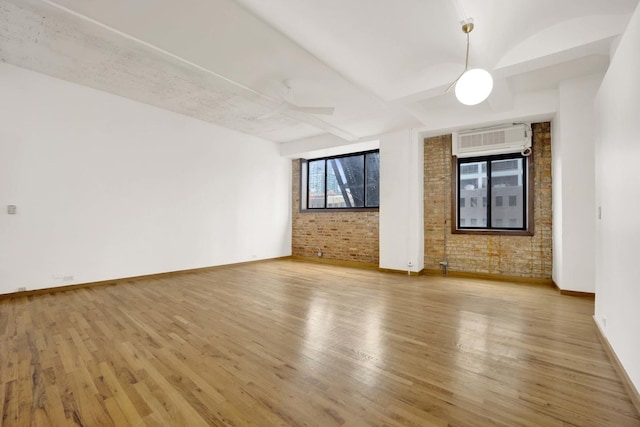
x,y
524,256
344,236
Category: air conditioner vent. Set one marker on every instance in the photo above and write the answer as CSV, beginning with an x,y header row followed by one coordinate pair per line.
x,y
496,140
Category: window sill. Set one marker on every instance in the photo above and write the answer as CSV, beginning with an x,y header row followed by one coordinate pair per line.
x,y
334,210
483,232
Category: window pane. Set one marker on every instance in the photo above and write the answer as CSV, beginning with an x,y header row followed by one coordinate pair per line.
x,y
507,184
345,182
304,174
316,184
373,179
341,182
473,185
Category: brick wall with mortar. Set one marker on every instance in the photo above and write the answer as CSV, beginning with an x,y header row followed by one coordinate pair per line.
x,y
343,236
523,256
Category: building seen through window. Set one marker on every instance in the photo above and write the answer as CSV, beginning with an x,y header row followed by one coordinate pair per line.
x,y
350,181
500,183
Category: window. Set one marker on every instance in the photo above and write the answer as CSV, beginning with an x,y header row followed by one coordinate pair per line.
x,y
501,183
341,182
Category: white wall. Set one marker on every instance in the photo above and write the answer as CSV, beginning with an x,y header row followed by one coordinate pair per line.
x,y
618,193
109,188
401,201
325,145
573,192
556,193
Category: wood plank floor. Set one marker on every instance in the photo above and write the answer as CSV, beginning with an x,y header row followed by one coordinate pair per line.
x,y
285,342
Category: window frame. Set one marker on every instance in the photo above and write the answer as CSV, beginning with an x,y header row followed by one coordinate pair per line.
x,y
528,209
304,185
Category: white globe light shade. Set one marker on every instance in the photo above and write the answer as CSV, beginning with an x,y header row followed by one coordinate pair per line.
x,y
474,86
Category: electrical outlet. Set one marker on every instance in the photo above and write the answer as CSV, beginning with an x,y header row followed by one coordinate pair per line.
x,y
11,209
67,278
22,288
604,321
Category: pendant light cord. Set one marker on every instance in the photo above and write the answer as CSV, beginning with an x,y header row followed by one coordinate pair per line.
x,y
466,59
467,27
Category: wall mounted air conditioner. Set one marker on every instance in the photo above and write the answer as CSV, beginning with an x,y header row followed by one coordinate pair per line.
x,y
512,138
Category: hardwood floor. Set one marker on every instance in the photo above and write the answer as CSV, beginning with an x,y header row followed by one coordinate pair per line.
x,y
291,343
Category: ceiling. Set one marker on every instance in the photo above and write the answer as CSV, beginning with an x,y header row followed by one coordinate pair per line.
x,y
383,65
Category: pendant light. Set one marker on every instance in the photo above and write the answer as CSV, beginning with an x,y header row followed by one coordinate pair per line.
x,y
472,86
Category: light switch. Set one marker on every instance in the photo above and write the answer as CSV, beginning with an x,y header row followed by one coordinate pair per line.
x,y
11,209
